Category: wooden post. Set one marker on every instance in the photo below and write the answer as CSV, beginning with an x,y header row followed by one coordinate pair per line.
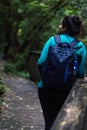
x,y
32,65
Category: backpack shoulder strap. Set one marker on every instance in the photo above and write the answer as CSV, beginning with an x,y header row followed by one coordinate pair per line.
x,y
57,39
74,42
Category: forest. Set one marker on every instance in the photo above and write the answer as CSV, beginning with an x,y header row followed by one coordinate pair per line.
x,y
25,25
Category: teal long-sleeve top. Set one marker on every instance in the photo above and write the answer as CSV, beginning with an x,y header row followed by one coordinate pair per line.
x,y
64,38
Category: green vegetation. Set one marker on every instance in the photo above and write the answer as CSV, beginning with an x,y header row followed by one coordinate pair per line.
x,y
26,25
11,69
3,90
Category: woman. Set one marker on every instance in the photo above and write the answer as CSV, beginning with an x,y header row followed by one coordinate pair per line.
x,y
52,99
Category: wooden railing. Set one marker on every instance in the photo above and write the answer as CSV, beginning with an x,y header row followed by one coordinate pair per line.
x,y
32,65
73,115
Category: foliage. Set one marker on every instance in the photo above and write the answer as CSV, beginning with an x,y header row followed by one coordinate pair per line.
x,y
3,88
11,68
23,74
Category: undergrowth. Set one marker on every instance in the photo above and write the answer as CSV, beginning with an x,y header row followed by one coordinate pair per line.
x,y
12,69
3,90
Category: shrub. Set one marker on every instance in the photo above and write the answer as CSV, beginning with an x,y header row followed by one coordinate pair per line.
x,y
11,68
3,88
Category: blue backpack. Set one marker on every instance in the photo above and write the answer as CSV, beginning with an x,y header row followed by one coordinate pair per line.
x,y
61,64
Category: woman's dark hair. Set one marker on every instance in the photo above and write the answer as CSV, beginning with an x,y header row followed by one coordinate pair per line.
x,y
72,24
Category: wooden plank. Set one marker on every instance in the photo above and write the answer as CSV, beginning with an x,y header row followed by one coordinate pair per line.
x,y
24,111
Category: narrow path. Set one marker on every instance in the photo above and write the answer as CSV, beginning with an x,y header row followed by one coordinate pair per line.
x,y
24,110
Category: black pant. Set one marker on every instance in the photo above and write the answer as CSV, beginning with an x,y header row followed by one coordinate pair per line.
x,y
51,100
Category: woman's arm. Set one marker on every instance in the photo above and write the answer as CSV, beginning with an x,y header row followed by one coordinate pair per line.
x,y
82,66
45,50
